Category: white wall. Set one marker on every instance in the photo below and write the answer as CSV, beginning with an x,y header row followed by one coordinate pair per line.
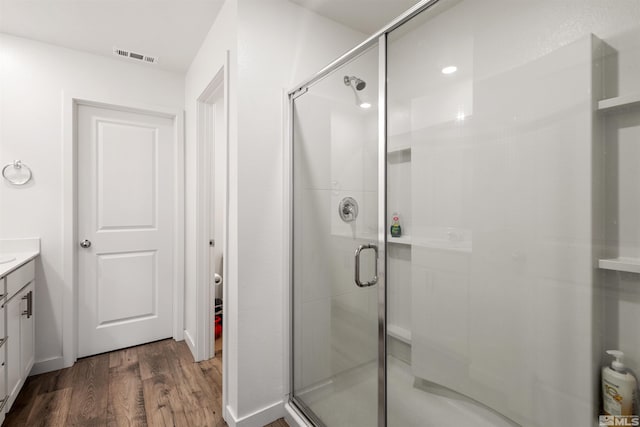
x,y
33,77
279,44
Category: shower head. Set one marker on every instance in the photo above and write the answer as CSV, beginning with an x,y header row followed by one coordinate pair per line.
x,y
355,82
356,85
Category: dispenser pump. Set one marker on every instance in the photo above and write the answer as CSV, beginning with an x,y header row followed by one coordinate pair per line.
x,y
617,364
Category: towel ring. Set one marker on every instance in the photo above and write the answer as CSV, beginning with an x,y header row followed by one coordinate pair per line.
x,y
18,165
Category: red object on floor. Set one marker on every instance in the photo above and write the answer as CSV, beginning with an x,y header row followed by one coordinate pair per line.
x,y
218,326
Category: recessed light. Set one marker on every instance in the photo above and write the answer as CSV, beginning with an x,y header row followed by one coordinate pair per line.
x,y
365,105
450,69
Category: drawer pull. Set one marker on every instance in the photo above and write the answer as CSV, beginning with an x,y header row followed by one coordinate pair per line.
x,y
29,311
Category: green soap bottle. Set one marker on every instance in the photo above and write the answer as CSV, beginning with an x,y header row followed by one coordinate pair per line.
x,y
396,230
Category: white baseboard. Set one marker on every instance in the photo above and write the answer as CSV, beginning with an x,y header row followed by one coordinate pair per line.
x,y
48,365
190,343
257,419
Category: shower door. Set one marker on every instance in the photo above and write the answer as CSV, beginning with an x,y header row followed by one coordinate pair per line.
x,y
336,246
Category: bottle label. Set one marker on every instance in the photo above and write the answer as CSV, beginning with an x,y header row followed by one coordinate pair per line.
x,y
612,399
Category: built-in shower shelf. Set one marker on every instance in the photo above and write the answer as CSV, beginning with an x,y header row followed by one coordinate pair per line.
x,y
397,149
399,333
630,265
402,240
399,142
631,100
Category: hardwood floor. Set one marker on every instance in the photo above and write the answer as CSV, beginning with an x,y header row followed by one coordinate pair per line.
x,y
156,384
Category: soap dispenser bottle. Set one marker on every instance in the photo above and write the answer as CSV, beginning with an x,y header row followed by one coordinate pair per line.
x,y
396,229
618,387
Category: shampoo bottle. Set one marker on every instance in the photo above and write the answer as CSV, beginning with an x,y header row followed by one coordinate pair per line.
x,y
618,387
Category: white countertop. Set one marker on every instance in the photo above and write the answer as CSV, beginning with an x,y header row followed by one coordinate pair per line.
x,y
21,259
24,250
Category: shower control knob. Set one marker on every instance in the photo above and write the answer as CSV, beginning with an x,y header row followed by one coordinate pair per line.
x,y
348,209
85,244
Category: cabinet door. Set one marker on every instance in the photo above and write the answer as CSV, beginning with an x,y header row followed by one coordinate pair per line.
x,y
3,385
27,332
13,369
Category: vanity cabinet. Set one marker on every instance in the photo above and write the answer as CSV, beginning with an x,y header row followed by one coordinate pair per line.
x,y
19,332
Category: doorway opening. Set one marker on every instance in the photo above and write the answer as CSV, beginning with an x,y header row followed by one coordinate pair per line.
x,y
212,217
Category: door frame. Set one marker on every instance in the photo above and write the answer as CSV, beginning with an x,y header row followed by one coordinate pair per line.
x,y
206,176
71,102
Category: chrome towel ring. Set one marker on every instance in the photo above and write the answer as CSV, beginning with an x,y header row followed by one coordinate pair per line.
x,y
18,167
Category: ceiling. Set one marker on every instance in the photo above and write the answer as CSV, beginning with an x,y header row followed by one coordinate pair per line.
x,y
366,16
172,30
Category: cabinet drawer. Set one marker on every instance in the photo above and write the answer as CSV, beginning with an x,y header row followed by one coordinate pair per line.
x,y
20,277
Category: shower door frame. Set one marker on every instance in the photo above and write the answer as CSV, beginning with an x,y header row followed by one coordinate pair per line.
x,y
380,38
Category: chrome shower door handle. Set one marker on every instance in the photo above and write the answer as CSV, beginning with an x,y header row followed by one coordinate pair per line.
x,y
374,280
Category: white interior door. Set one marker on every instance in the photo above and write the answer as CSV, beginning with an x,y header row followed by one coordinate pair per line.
x,y
125,211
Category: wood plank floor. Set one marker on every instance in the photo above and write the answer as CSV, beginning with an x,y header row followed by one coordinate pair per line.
x,y
156,384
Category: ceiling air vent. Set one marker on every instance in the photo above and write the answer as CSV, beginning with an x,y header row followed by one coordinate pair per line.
x,y
135,56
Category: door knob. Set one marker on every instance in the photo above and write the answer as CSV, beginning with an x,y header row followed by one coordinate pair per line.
x,y
85,244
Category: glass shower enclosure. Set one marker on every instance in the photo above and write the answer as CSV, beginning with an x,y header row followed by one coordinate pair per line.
x,y
336,243
502,137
